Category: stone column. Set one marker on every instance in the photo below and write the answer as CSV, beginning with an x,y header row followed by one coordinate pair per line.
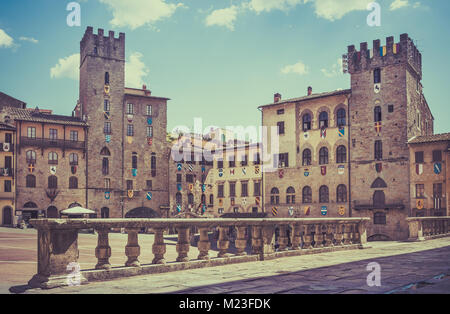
x,y
159,247
339,235
296,237
223,243
132,250
103,250
240,243
307,237
347,233
318,236
183,244
362,232
203,244
283,239
329,236
356,236
257,240
415,230
268,233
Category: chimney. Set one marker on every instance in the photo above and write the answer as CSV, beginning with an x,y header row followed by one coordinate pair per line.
x,y
144,87
309,91
146,91
276,97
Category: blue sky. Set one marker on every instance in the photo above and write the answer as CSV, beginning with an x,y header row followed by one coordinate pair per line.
x,y
216,59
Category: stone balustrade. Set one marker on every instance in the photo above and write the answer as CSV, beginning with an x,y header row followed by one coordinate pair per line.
x,y
423,228
253,240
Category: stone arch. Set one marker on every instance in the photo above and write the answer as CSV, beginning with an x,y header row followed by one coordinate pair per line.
x,y
323,109
311,148
142,212
302,113
378,184
52,212
336,108
321,144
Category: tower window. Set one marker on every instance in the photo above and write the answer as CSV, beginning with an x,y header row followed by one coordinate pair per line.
x,y
377,114
280,126
106,78
437,155
341,154
306,122
130,130
419,157
378,150
377,76
306,157
307,195
323,120
323,194
341,121
149,110
106,105
130,109
323,156
149,131
391,108
107,128
379,218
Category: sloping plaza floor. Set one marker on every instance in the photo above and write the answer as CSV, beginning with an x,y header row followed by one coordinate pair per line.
x,y
420,267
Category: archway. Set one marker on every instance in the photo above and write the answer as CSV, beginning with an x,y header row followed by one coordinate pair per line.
x,y
104,212
7,216
52,212
142,212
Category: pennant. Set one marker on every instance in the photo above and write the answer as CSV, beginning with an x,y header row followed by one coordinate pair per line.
x,y
371,53
232,171
203,187
437,168
378,127
306,173
53,170
149,141
341,132
379,167
129,139
232,201
134,172
190,167
323,170
191,187
130,118
291,211
179,208
203,169
258,200
203,208
420,204
274,211
149,196
341,169
244,201
419,169
257,169
179,167
149,121
307,210
220,202
377,88
5,171
107,89
106,114
341,210
107,195
324,211
306,136
244,171
395,48
281,173
130,193
323,133
220,172
6,147
31,168
383,51
107,138
179,187
73,169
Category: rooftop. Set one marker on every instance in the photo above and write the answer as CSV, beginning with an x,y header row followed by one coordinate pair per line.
x,y
310,97
430,138
41,116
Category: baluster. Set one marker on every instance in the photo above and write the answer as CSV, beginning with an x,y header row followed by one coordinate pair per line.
x,y
240,243
296,237
347,234
103,250
159,247
307,237
183,244
203,244
318,236
132,250
339,236
329,235
283,239
257,240
223,243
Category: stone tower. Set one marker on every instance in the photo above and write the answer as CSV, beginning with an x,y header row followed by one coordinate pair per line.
x,y
102,85
386,109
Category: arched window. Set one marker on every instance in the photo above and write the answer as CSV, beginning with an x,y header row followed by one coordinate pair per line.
x,y
31,181
105,166
31,157
324,194
274,196
306,160
323,119
377,76
105,152
378,199
106,78
52,158
377,114
178,198
73,159
290,195
190,199
341,154
323,156
134,161
52,182
341,117
341,193
306,122
306,195
73,183
211,199
203,199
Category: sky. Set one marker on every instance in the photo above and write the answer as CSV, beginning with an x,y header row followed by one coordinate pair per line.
x,y
216,59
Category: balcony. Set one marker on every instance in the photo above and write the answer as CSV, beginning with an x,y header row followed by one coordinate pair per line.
x,y
252,240
425,228
48,143
7,172
396,204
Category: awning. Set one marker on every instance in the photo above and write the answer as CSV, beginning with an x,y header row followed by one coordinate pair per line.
x,y
77,211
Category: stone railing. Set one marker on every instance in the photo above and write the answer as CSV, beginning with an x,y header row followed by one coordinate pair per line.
x,y
58,243
423,228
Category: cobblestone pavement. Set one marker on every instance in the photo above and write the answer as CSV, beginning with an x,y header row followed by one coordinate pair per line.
x,y
421,267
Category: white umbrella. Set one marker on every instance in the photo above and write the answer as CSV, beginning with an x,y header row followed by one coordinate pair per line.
x,y
77,211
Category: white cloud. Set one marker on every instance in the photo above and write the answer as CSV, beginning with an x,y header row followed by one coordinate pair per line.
x,y
6,41
30,39
137,13
67,67
398,4
299,68
334,10
135,71
223,17
335,70
268,5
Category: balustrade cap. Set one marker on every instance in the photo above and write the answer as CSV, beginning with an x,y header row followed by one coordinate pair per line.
x,y
198,222
427,218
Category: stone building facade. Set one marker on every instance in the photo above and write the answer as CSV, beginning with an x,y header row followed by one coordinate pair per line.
x,y
127,150
7,174
429,175
383,109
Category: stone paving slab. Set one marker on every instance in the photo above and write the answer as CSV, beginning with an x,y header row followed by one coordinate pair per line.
x,y
402,264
